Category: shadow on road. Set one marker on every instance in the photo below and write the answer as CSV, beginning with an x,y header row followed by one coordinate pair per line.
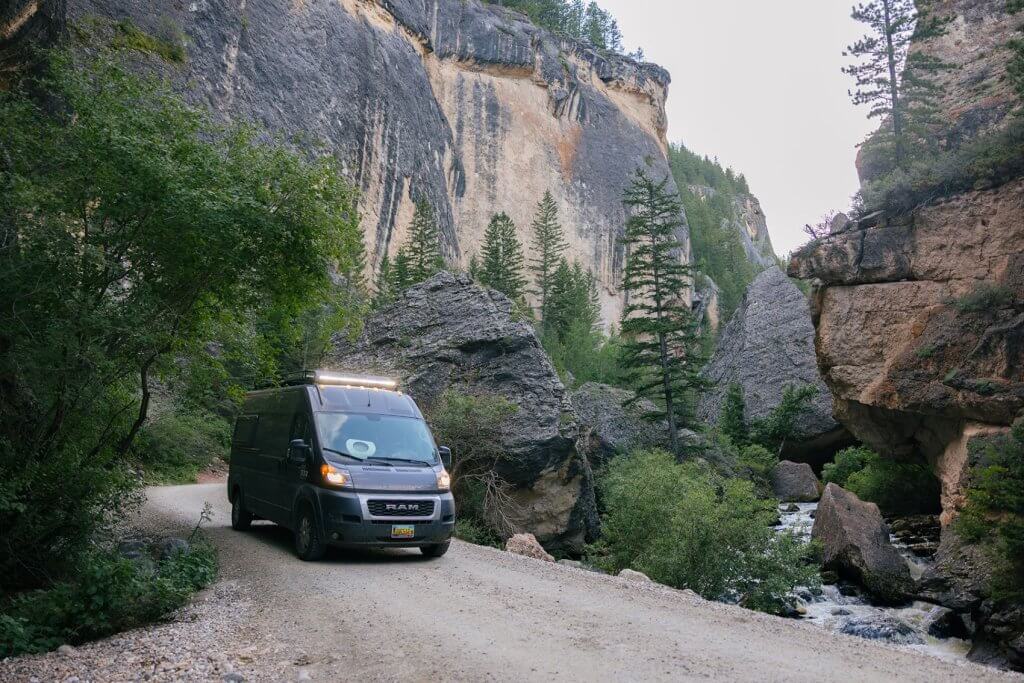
x,y
281,539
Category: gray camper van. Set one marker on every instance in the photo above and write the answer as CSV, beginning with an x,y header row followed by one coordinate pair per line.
x,y
343,460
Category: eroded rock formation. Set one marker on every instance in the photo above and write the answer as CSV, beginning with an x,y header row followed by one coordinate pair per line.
x,y
767,345
466,105
448,333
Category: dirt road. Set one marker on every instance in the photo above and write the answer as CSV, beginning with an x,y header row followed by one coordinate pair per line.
x,y
481,614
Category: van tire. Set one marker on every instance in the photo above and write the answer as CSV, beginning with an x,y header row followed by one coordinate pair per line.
x,y
309,546
435,550
241,519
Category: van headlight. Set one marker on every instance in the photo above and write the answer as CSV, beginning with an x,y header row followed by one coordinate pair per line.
x,y
444,481
335,476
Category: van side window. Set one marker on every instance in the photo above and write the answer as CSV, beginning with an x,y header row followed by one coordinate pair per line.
x,y
245,430
300,428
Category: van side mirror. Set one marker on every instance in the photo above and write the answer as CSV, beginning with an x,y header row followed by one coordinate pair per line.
x,y
298,450
446,456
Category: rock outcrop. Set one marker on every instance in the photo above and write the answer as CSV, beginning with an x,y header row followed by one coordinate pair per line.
x,y
795,482
610,427
448,333
527,546
855,544
767,345
464,104
749,222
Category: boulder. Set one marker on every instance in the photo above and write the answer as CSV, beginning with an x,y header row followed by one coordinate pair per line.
x,y
795,481
527,546
634,576
766,345
170,547
448,333
885,628
611,427
855,544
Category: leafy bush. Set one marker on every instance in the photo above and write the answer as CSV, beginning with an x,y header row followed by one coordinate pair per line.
x,y
732,422
474,427
471,530
983,297
108,594
758,459
898,488
779,426
686,526
994,513
175,446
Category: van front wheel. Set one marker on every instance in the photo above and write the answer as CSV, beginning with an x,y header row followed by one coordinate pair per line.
x,y
436,550
241,519
308,544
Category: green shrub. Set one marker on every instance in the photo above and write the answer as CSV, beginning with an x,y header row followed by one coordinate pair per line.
x,y
779,426
732,422
897,487
994,513
108,594
983,297
175,446
688,527
846,462
471,530
758,459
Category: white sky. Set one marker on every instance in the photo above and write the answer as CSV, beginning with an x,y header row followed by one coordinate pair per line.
x,y
757,84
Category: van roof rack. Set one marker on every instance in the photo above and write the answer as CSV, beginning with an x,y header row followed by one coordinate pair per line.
x,y
343,379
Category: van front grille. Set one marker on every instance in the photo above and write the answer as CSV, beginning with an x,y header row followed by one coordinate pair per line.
x,y
401,508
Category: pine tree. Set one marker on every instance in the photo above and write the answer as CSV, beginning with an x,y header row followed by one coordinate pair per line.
x,y
732,422
384,285
661,343
502,266
474,268
424,245
401,276
548,245
906,100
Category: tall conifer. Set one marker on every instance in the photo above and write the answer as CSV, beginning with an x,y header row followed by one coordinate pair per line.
x,y
548,245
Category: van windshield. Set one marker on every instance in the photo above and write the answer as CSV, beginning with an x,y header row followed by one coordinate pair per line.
x,y
377,437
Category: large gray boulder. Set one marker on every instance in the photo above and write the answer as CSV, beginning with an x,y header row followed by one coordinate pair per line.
x,y
855,544
610,427
448,333
766,345
795,482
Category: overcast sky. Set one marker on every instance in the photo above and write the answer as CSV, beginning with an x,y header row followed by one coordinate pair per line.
x,y
758,85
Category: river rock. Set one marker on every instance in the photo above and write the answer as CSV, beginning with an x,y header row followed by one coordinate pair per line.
x,y
855,543
449,333
795,481
884,628
766,345
527,546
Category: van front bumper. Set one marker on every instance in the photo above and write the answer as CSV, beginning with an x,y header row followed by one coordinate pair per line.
x,y
348,518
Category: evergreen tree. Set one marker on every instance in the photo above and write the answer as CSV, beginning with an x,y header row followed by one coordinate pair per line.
x,y
384,288
661,343
474,268
548,245
502,267
401,275
733,420
424,246
906,100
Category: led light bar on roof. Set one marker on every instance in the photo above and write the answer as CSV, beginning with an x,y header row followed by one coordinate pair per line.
x,y
324,378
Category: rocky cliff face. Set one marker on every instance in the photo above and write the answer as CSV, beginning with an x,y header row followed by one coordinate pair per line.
x,y
466,105
767,345
749,222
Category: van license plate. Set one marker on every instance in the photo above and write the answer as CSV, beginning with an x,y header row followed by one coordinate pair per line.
x,y
403,531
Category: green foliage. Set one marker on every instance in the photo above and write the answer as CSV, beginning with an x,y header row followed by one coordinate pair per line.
x,y
660,342
384,293
475,428
176,445
155,230
502,266
716,242
994,513
847,462
984,297
758,459
108,594
779,426
548,245
129,36
468,528
688,527
572,17
897,487
897,83
733,420
423,248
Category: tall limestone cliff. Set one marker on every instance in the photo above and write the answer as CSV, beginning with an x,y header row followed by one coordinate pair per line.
x,y
748,221
467,105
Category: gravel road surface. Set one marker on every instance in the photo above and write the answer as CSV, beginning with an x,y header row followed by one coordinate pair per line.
x,y
476,614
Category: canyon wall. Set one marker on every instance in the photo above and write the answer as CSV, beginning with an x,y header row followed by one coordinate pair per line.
x,y
468,106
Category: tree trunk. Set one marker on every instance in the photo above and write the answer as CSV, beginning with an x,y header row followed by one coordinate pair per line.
x,y
894,95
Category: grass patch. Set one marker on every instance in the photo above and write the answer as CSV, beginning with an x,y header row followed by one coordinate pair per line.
x,y
983,297
129,36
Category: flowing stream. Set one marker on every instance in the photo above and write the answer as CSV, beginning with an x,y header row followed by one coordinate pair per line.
x,y
845,609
